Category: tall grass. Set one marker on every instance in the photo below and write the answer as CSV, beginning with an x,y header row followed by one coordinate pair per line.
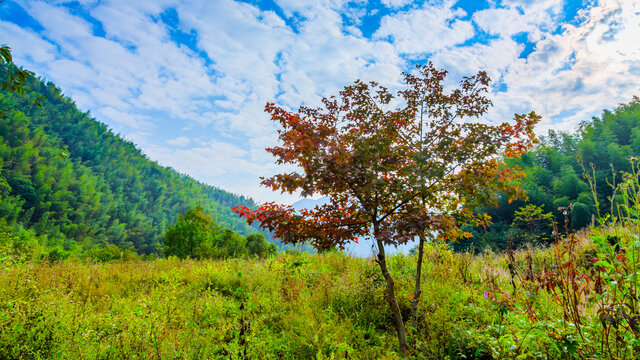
x,y
294,306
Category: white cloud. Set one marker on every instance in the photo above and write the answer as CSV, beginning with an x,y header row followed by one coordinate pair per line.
x,y
74,73
222,164
60,24
179,141
428,29
581,68
570,75
395,4
534,17
494,57
131,120
27,48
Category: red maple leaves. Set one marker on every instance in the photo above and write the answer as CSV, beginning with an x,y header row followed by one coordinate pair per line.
x,y
394,173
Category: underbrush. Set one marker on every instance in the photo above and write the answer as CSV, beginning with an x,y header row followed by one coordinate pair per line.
x,y
575,300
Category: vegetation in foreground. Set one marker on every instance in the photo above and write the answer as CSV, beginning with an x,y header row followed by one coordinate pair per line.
x,y
577,299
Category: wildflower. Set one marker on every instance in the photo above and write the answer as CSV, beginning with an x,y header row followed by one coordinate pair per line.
x,y
486,294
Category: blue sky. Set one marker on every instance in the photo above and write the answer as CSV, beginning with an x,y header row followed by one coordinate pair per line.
x,y
187,81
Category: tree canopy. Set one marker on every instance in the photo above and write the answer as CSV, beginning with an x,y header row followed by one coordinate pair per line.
x,y
196,235
375,164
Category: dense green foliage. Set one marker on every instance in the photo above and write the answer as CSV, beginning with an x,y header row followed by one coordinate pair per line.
x,y
559,172
70,184
196,235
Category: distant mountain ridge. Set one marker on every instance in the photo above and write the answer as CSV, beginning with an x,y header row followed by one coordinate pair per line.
x,y
306,203
73,182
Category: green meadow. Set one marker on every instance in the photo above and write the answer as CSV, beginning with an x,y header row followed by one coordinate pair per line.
x,y
572,300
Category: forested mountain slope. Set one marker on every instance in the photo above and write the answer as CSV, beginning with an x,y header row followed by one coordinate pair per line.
x,y
558,173
74,182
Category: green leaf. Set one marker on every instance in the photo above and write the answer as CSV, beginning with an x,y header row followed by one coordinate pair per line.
x,y
5,54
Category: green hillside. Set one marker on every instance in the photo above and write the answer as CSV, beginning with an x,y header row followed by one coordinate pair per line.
x,y
69,180
565,171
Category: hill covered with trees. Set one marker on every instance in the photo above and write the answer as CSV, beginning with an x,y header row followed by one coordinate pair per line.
x,y
69,183
567,172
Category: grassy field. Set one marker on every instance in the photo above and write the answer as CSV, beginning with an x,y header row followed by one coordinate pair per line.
x,y
574,300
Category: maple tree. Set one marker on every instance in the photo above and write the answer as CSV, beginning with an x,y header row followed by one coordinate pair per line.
x,y
416,170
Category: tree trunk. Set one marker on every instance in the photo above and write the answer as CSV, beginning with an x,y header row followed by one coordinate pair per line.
x,y
391,298
417,292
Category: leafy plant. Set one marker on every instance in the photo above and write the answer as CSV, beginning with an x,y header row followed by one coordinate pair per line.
x,y
16,77
196,235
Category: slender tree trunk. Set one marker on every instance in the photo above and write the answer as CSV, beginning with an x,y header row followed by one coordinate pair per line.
x,y
417,292
391,297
